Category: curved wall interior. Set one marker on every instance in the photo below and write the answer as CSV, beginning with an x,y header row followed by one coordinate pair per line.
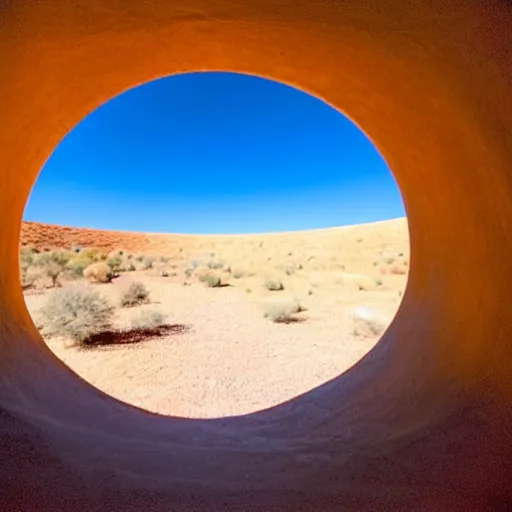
x,y
423,421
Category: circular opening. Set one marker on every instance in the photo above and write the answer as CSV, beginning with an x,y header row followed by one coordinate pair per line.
x,y
198,323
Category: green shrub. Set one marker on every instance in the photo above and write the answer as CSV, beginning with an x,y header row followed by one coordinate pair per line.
x,y
92,254
133,294
76,266
148,319
77,312
115,262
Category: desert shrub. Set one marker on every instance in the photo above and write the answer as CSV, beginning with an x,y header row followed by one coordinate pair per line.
x,y
93,255
164,273
33,277
148,319
76,249
282,310
98,272
77,312
131,267
273,284
211,280
115,263
52,264
76,266
79,262
133,294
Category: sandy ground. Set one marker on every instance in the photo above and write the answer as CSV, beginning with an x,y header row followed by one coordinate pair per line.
x,y
227,359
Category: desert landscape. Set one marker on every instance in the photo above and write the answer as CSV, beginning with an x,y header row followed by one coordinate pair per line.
x,y
209,326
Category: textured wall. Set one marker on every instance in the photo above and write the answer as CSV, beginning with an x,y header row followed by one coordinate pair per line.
x,y
421,423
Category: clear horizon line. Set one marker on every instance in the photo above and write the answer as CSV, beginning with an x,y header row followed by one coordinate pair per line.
x,y
215,234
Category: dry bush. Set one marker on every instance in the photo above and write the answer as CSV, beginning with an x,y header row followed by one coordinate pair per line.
x,y
34,277
199,273
148,319
282,310
133,294
273,284
98,272
52,264
77,312
27,255
211,280
83,259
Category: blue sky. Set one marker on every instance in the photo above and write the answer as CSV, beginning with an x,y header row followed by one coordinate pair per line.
x,y
214,153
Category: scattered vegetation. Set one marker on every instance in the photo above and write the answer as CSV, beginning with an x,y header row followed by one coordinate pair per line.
x,y
90,315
